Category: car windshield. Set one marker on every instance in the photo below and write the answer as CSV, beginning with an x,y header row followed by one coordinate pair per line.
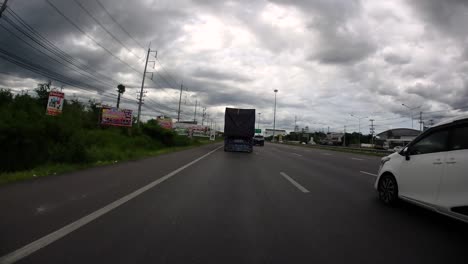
x,y
233,131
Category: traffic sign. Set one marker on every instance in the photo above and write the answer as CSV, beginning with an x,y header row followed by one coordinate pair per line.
x,y
258,131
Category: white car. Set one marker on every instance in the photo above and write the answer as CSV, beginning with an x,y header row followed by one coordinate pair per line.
x,y
432,171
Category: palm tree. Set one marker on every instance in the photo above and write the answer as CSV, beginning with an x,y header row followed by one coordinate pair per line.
x,y
120,90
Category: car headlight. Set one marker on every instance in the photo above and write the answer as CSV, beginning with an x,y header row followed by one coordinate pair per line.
x,y
384,160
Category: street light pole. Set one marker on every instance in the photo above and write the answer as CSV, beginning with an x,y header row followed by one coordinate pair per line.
x,y
274,116
411,113
359,118
258,122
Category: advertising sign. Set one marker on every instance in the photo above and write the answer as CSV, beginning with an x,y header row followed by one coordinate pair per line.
x,y
116,117
191,130
165,123
55,103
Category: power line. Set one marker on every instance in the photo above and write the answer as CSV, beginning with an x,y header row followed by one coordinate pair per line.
x,y
163,68
118,24
104,28
47,45
59,52
89,36
42,52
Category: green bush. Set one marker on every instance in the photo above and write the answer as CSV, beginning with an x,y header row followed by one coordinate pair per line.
x,y
29,138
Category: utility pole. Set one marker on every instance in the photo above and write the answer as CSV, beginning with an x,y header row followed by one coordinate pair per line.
x,y
420,122
274,118
258,122
344,137
195,115
372,130
295,123
140,97
3,7
180,99
203,116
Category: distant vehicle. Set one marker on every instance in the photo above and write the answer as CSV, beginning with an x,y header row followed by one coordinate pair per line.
x,y
432,171
239,129
259,140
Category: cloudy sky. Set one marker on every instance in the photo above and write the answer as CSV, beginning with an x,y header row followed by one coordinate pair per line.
x,y
328,58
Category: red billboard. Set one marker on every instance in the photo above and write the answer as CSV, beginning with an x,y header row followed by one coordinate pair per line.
x,y
165,123
116,117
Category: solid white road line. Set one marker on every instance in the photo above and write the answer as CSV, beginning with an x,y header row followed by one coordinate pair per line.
x,y
368,173
295,183
299,155
56,235
356,159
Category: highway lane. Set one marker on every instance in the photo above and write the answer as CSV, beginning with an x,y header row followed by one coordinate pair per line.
x,y
240,208
36,208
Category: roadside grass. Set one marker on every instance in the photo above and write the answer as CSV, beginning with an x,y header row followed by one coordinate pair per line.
x,y
346,150
127,155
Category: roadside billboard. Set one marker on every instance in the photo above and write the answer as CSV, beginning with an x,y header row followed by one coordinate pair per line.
x,y
55,103
116,117
165,123
191,130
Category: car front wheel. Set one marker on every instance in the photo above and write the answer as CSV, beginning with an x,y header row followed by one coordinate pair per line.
x,y
388,189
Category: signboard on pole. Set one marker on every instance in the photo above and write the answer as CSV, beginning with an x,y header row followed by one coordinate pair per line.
x,y
55,103
165,123
184,129
212,135
116,117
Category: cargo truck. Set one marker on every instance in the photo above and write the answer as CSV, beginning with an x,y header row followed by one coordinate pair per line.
x,y
239,129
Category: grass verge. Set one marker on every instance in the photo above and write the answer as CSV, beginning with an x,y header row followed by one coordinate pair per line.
x,y
55,169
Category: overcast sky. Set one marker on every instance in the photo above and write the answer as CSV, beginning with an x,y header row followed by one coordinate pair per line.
x,y
327,58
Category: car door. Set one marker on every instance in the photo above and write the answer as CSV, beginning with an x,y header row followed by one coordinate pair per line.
x,y
454,184
419,176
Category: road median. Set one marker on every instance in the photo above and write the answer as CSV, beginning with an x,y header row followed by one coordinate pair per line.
x,y
364,151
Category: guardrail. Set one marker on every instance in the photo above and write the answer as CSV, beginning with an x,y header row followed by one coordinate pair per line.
x,y
379,152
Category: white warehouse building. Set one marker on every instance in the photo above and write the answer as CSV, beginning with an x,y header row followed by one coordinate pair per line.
x,y
269,132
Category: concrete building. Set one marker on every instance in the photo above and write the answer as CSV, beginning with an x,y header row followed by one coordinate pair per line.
x,y
396,137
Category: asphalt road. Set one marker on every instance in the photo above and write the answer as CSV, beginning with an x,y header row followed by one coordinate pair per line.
x,y
280,204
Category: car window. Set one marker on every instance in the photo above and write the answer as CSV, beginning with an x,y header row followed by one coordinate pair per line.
x,y
434,142
460,138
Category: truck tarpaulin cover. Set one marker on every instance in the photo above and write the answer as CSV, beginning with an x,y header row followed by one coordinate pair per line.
x,y
239,122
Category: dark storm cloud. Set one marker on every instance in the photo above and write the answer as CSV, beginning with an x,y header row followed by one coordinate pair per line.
x,y
448,16
394,58
145,24
344,51
339,41
236,52
219,75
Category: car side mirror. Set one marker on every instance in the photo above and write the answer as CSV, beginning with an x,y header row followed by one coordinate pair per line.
x,y
406,152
